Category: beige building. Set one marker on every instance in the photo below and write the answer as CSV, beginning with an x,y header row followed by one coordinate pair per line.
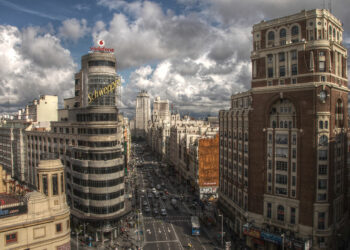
x,y
143,114
35,220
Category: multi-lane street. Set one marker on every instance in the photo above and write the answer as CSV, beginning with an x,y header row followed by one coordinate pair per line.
x,y
165,220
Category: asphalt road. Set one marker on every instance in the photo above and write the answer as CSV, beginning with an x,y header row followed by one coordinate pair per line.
x,y
172,231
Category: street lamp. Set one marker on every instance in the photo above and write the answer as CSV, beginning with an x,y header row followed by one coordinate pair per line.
x,y
222,229
78,230
282,235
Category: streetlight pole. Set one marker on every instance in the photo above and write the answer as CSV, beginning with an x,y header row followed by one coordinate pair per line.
x,y
222,229
282,235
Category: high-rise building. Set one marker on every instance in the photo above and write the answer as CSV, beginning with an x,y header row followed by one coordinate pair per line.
x,y
283,143
143,114
89,140
160,110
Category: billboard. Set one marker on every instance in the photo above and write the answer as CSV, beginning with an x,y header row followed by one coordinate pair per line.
x,y
208,162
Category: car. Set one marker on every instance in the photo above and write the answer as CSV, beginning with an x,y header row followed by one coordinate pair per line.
x,y
158,186
155,211
149,195
154,190
145,203
163,212
156,195
164,198
147,209
166,191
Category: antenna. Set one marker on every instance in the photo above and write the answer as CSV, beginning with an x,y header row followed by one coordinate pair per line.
x,y
330,6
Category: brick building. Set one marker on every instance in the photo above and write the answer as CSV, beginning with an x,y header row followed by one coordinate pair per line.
x,y
283,143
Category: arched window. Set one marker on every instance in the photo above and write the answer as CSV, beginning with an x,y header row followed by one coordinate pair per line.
x,y
339,116
326,124
295,30
280,213
323,141
271,35
320,125
283,33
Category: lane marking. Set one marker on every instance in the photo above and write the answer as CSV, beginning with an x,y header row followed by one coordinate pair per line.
x,y
177,238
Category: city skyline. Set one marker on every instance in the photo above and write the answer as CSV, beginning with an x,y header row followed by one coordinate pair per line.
x,y
193,53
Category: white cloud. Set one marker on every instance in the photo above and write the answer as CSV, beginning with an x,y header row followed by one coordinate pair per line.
x,y
73,29
33,63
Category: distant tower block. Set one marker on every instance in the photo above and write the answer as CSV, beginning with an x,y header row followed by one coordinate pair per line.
x,y
143,113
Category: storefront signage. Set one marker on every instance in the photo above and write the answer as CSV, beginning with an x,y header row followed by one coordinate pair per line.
x,y
271,238
252,232
13,211
103,91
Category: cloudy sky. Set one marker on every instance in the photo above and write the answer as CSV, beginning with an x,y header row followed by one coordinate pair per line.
x,y
194,53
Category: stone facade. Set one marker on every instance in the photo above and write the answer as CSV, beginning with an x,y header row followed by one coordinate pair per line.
x,y
32,219
283,143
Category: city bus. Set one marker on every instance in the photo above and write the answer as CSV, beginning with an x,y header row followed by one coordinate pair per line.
x,y
195,225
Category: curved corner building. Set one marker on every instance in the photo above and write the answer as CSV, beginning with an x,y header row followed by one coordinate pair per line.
x,y
95,160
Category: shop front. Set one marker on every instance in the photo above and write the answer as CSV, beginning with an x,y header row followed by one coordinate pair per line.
x,y
260,239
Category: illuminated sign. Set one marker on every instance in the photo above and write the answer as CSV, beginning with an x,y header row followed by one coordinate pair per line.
x,y
13,211
252,232
101,47
103,91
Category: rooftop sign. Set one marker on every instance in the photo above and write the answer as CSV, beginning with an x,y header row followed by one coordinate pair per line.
x,y
101,47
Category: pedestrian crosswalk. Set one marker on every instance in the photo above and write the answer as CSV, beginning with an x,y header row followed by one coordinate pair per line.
x,y
168,218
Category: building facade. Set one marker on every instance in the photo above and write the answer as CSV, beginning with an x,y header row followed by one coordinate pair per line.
x,y
32,219
89,140
143,114
283,143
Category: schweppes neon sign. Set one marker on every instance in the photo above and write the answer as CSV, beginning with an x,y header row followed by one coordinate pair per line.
x,y
97,93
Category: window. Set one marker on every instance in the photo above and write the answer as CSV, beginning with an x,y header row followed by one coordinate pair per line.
x,y
321,53
282,152
326,124
270,164
339,114
54,184
45,184
269,83
320,125
295,30
322,197
294,167
294,139
269,212
323,140
294,153
294,80
270,177
322,155
322,184
269,58
322,169
321,220
294,69
58,227
322,66
269,72
281,82
282,165
283,33
281,179
293,180
281,57
11,238
62,184
294,54
282,71
323,78
271,36
292,215
280,213
282,139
